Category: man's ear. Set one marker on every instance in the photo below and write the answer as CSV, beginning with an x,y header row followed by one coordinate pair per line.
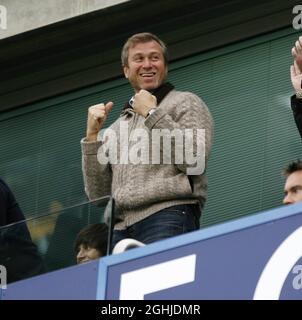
x,y
126,71
166,71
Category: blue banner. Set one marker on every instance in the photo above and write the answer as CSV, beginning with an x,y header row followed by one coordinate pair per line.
x,y
256,257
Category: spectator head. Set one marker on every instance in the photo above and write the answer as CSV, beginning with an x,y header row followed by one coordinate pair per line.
x,y
144,61
293,183
143,37
91,242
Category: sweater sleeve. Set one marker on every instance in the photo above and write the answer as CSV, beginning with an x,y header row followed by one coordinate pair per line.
x,y
193,119
296,105
97,177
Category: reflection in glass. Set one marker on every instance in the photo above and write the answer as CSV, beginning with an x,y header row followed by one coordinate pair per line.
x,y
50,243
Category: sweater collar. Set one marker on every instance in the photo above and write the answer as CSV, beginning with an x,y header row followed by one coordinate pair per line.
x,y
159,93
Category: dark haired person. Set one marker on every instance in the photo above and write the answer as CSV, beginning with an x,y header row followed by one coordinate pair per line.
x,y
91,242
293,183
17,251
155,199
10,211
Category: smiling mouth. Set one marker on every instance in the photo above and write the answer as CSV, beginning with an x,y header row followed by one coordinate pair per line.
x,y
147,74
84,261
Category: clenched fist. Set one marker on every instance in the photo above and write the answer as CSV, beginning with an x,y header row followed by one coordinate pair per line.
x,y
97,116
144,101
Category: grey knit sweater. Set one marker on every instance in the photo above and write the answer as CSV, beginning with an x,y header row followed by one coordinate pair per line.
x,y
143,189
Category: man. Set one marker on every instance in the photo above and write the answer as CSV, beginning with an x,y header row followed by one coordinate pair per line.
x,y
296,78
10,211
18,253
293,184
91,242
154,199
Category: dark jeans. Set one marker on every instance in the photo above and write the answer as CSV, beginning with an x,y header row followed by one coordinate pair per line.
x,y
166,223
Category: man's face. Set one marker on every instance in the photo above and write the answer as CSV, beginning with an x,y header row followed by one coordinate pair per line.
x,y
146,66
293,188
86,254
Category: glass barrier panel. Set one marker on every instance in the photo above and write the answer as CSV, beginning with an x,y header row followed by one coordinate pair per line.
x,y
47,242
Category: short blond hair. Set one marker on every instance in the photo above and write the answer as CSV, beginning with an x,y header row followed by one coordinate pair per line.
x,y
142,38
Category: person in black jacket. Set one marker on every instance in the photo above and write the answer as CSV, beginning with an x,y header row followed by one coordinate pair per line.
x,y
18,254
296,78
10,211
